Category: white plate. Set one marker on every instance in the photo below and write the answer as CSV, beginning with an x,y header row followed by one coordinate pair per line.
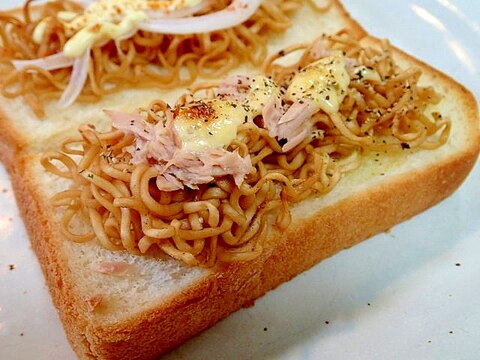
x,y
397,296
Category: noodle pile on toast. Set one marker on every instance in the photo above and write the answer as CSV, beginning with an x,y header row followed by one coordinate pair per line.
x,y
383,110
144,60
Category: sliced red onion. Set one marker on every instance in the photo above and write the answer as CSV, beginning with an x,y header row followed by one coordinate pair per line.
x,y
181,12
234,14
175,22
52,62
77,80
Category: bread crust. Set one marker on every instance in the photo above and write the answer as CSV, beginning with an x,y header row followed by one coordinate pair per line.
x,y
10,146
232,286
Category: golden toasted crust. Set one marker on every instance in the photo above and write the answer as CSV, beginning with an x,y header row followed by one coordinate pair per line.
x,y
232,286
11,142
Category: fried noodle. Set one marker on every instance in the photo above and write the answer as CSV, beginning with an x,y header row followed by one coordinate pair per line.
x,y
223,222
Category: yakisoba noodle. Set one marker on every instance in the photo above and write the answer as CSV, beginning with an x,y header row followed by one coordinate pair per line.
x,y
223,222
180,58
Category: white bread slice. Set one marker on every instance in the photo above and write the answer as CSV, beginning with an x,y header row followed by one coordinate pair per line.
x,y
47,133
164,303
349,214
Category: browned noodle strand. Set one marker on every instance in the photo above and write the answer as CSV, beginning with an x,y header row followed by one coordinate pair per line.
x,y
129,63
223,222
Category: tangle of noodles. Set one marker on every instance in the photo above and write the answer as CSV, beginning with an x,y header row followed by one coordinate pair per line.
x,y
220,221
178,59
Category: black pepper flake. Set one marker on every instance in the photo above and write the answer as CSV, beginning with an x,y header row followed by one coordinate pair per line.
x,y
450,332
12,266
405,146
458,264
265,329
327,322
281,52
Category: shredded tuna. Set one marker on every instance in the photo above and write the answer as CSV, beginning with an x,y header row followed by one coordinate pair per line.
x,y
272,112
320,49
350,63
93,302
201,168
111,267
168,182
293,126
234,88
131,122
176,167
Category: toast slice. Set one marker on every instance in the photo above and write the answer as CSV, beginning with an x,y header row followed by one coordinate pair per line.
x,y
166,302
140,312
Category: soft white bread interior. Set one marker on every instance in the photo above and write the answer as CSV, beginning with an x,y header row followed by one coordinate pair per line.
x,y
161,302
